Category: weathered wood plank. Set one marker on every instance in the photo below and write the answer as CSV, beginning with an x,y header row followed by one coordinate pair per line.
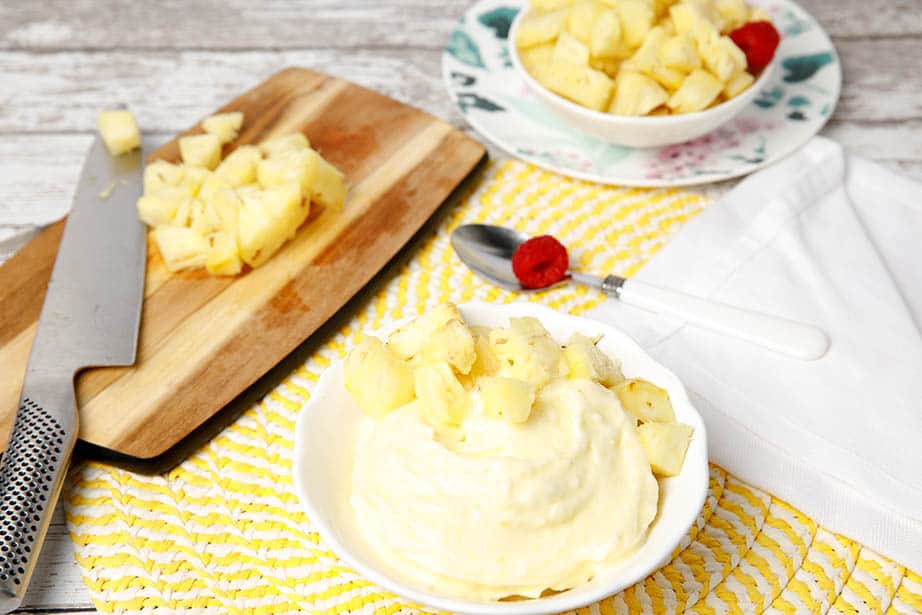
x,y
292,24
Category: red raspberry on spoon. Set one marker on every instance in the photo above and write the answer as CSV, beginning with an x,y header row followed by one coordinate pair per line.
x,y
758,40
540,262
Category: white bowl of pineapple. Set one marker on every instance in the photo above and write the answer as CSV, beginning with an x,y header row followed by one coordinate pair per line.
x,y
639,73
500,459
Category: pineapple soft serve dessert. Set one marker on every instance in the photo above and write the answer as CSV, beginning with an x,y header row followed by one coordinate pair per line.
x,y
499,463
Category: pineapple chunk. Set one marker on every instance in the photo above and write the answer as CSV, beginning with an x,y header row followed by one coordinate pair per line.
x,y
605,36
698,91
665,445
646,58
204,218
201,151
570,50
535,57
581,18
378,380
119,131
287,205
636,20
738,84
527,352
239,168
585,360
759,14
581,84
193,178
161,173
226,203
609,66
211,185
551,5
684,16
443,397
409,339
486,362
645,400
180,248
160,207
451,343
328,188
734,13
669,78
259,234
225,126
183,213
636,94
299,166
284,143
222,257
679,53
506,398
538,28
723,58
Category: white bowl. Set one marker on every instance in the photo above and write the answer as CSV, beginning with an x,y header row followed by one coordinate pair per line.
x,y
637,131
325,439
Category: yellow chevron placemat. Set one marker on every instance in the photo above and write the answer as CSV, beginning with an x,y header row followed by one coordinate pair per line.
x,y
224,532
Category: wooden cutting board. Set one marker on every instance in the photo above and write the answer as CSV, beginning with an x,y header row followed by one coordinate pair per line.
x,y
204,340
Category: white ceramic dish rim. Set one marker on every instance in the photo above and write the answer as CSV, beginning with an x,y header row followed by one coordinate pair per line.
x,y
726,107
696,464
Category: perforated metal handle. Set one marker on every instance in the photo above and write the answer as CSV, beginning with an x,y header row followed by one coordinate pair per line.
x,y
32,473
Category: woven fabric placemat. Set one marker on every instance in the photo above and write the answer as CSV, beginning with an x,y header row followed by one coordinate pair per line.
x,y
225,533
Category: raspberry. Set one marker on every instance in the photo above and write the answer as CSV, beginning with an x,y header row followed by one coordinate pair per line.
x,y
540,262
758,40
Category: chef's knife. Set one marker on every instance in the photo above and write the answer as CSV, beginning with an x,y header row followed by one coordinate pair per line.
x,y
89,318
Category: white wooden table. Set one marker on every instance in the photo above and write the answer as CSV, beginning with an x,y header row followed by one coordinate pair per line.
x,y
174,61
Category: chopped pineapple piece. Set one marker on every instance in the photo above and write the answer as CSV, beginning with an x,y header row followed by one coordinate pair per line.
x,y
698,91
551,5
537,28
738,84
605,36
486,363
180,248
723,58
160,207
581,18
665,445
733,12
211,185
571,50
287,205
328,188
443,397
259,235
451,343
285,143
759,14
529,353
646,58
226,203
299,166
609,66
645,400
536,57
636,94
669,78
684,17
506,398
679,53
201,150
239,167
193,178
183,213
223,257
585,360
377,379
161,173
581,84
225,126
119,131
636,20
204,218
410,338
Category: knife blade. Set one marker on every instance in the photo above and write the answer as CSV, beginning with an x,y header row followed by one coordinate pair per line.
x,y
89,318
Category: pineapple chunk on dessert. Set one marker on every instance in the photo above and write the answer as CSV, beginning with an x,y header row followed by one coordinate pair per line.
x,y
118,130
665,445
409,339
526,351
377,379
506,398
225,126
444,398
180,248
201,151
645,400
696,93
585,360
486,363
452,343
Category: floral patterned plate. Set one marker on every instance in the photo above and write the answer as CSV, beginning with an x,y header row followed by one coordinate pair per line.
x,y
494,99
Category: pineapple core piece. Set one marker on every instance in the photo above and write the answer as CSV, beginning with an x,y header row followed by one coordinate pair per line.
x,y
645,400
378,379
506,398
225,126
119,131
665,445
201,151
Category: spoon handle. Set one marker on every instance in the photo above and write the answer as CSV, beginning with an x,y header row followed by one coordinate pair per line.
x,y
788,337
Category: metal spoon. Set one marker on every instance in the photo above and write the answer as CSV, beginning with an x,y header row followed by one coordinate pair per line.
x,y
488,250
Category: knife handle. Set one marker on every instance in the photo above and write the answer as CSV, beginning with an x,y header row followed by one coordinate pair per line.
x,y
32,473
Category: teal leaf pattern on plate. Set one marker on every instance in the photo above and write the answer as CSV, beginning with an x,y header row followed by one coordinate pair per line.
x,y
469,100
798,101
801,68
463,47
499,20
769,98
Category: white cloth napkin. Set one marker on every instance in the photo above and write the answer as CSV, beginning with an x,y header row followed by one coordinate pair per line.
x,y
835,241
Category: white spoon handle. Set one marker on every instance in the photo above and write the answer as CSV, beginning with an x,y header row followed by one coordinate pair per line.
x,y
781,335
